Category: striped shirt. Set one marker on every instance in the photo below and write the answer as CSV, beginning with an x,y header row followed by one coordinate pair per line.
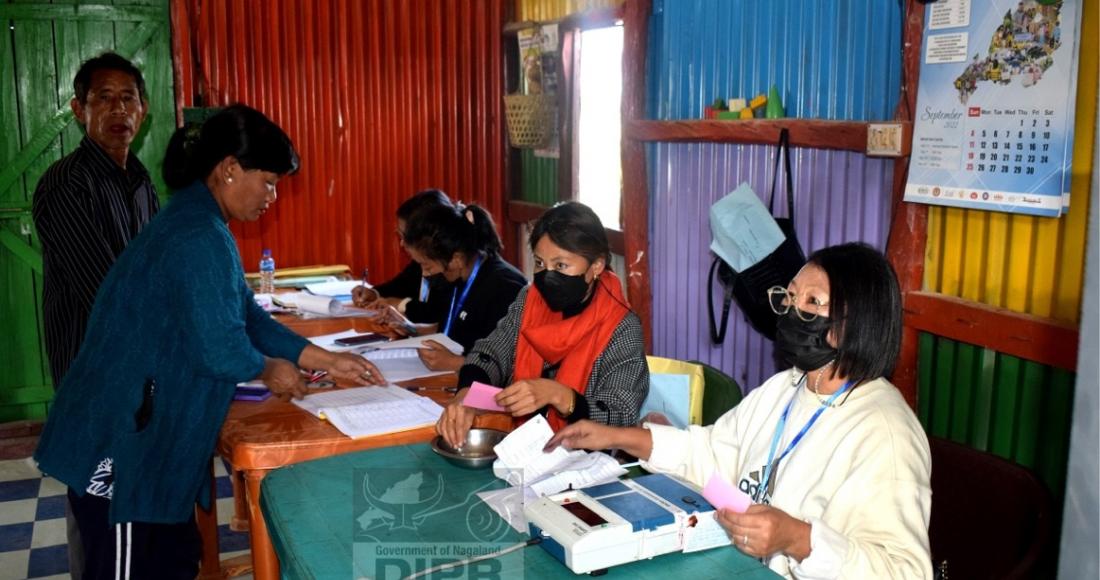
x,y
86,209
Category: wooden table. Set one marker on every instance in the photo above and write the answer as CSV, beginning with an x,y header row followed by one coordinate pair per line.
x,y
258,437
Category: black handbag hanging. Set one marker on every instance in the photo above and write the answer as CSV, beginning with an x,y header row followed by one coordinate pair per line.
x,y
750,286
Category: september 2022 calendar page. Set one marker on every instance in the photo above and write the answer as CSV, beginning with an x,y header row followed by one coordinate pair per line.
x,y
993,127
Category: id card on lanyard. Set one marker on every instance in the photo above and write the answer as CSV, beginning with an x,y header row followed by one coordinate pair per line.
x,y
458,301
771,466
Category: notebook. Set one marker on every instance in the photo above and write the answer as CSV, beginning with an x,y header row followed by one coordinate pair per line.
x,y
366,411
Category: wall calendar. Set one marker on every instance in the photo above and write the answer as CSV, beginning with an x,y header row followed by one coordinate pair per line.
x,y
993,127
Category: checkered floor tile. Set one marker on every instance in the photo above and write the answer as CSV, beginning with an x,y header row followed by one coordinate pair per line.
x,y
32,522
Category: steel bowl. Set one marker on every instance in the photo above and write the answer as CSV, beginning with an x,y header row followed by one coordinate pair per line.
x,y
476,453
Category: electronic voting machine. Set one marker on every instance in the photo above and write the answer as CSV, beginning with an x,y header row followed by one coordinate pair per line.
x,y
620,522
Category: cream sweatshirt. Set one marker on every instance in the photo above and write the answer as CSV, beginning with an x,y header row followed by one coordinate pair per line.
x,y
860,475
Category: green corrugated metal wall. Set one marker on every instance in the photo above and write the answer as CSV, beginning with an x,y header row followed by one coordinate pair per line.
x,y
43,47
1017,409
540,178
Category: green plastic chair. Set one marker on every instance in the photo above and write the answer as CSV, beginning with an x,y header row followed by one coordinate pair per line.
x,y
720,393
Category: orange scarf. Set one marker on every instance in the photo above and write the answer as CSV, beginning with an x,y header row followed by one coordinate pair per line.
x,y
546,337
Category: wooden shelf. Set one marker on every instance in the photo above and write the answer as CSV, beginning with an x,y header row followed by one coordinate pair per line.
x,y
816,133
1043,340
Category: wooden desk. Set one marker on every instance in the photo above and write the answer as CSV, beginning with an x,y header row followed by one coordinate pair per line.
x,y
260,436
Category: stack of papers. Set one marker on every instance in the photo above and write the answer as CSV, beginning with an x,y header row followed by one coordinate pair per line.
x,y
521,461
367,411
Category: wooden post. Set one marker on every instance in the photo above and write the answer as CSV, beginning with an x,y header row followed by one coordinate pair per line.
x,y
909,230
635,193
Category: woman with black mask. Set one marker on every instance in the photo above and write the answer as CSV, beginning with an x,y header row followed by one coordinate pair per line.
x,y
570,348
833,458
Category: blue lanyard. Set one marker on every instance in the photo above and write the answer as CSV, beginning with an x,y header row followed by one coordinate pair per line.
x,y
769,467
424,289
456,308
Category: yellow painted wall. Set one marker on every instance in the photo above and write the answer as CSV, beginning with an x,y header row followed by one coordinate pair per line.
x,y
1027,264
555,9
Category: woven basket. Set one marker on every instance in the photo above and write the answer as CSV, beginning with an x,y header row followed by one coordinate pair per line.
x,y
530,120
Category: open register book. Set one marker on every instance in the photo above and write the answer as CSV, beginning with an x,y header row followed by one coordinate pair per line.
x,y
367,411
399,360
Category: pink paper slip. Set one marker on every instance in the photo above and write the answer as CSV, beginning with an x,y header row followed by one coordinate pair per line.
x,y
722,495
482,396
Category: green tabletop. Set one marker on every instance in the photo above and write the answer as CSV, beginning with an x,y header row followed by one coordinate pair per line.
x,y
384,513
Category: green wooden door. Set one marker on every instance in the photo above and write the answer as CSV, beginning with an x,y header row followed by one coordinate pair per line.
x,y
43,47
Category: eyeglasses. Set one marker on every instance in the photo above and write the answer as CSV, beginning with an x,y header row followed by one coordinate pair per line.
x,y
781,302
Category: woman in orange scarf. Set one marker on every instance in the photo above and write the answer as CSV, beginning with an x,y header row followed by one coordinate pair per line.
x,y
570,348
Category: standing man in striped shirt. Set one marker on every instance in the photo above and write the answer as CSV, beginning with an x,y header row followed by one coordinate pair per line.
x,y
87,207
92,202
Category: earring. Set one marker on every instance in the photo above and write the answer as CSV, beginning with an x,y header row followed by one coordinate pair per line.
x,y
228,179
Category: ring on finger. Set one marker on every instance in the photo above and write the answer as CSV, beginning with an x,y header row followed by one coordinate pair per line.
x,y
745,540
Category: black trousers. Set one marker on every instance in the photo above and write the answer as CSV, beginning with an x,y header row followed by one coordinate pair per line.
x,y
134,550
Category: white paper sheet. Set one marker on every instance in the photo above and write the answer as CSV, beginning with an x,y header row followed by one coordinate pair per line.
x,y
401,364
418,342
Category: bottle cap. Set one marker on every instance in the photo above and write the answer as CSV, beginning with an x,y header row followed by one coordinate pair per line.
x,y
267,251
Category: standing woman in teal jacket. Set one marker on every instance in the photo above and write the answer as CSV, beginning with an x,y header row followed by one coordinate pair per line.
x,y
174,328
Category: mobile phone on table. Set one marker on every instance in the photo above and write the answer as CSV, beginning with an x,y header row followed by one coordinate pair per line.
x,y
360,339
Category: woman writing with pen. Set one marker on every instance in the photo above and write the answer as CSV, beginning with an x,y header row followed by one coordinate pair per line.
x,y
460,245
414,294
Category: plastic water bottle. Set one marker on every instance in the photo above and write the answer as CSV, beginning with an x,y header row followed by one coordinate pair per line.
x,y
267,273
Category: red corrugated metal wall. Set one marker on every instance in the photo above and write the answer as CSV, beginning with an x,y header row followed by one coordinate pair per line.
x,y
381,97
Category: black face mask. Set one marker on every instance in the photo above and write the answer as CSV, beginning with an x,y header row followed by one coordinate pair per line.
x,y
804,344
561,291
